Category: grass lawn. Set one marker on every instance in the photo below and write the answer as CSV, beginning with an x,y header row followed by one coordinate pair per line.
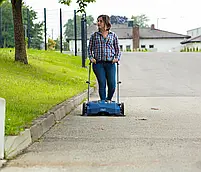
x,y
31,90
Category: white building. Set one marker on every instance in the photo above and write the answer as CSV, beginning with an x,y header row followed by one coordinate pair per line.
x,y
194,32
195,41
135,38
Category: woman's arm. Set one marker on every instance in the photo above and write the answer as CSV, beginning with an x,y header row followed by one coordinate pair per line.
x,y
90,47
116,47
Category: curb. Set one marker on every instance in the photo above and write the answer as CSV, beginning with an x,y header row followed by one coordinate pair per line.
x,y
2,163
14,145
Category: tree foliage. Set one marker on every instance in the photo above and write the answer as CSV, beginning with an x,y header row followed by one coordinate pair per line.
x,y
51,44
69,26
82,4
7,36
141,20
35,29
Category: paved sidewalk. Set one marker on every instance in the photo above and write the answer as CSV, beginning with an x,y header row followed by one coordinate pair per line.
x,y
158,135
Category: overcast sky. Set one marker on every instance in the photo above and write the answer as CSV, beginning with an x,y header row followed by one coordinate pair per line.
x,y
173,15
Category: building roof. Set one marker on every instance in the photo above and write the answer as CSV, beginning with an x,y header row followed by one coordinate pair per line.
x,y
125,32
192,40
148,33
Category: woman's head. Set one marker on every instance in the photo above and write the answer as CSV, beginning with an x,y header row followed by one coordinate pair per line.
x,y
103,22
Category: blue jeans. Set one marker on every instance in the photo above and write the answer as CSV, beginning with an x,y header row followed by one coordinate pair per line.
x,y
105,73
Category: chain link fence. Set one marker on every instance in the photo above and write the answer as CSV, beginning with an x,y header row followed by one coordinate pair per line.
x,y
55,27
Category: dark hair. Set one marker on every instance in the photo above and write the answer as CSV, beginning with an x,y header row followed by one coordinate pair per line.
x,y
106,20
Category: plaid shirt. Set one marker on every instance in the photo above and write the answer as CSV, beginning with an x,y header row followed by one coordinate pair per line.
x,y
104,49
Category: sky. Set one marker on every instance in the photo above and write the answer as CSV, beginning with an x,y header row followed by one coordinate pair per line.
x,y
176,16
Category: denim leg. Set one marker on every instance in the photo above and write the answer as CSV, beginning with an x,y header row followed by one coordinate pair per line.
x,y
100,75
111,79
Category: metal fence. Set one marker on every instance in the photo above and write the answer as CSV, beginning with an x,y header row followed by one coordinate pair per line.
x,y
59,28
55,27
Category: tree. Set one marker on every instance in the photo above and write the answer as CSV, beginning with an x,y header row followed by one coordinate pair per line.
x,y
141,20
20,46
7,37
69,26
36,35
20,49
35,30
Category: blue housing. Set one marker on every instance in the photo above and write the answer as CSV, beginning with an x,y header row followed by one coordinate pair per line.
x,y
97,107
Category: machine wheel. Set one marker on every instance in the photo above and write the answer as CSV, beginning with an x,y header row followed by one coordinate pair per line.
x,y
84,109
122,109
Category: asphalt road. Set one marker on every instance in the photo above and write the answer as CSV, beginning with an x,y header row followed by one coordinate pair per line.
x,y
160,132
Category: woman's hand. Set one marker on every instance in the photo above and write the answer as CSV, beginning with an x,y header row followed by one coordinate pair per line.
x,y
115,60
93,60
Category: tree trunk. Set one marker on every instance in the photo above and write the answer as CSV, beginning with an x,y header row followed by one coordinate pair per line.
x,y
20,47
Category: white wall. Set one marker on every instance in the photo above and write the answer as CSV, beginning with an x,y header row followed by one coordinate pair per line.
x,y
123,42
126,42
193,45
72,45
162,45
194,32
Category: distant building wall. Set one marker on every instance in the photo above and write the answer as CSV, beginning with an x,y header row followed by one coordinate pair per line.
x,y
194,32
192,45
161,45
126,44
72,45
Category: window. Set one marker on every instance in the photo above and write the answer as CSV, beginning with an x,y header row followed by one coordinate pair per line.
x,y
143,46
151,46
128,48
121,47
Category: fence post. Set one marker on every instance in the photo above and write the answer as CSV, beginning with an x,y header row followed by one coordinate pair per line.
x,y
75,31
28,28
83,37
61,37
45,28
2,126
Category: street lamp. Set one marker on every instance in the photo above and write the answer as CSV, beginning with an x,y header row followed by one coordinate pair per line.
x,y
158,20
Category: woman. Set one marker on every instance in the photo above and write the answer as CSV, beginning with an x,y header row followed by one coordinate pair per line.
x,y
104,52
